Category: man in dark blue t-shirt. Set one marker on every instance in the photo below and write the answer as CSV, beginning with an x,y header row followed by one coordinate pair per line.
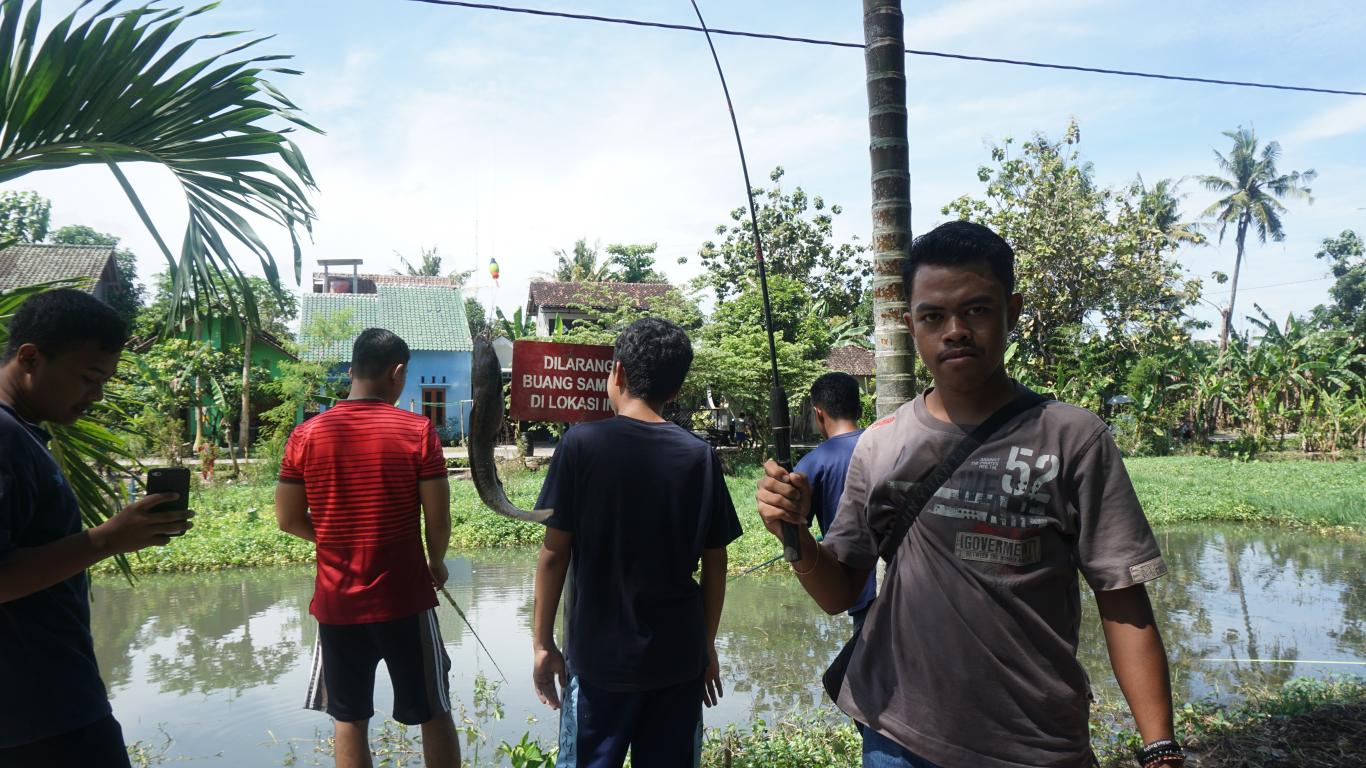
x,y
637,502
835,399
63,346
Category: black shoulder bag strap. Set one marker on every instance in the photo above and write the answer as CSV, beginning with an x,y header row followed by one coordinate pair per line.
x,y
916,496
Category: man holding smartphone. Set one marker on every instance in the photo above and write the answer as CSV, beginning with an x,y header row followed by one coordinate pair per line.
x,y
64,345
352,482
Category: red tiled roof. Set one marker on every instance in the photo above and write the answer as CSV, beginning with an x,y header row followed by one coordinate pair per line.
x,y
369,281
546,293
853,360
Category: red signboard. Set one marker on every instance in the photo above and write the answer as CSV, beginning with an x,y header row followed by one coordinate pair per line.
x,y
560,382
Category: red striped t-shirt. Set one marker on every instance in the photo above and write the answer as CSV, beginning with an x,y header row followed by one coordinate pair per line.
x,y
360,463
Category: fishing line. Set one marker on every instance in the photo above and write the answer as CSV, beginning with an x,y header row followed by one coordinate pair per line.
x,y
1290,661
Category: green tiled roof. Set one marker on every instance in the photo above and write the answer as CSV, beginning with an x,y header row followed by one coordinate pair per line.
x,y
428,318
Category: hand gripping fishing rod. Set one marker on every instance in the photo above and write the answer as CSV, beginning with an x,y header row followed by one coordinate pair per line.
x,y
778,419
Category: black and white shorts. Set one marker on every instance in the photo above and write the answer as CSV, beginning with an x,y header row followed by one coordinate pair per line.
x,y
342,682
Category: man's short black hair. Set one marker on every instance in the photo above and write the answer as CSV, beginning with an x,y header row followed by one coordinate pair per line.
x,y
656,355
837,394
60,320
376,351
960,243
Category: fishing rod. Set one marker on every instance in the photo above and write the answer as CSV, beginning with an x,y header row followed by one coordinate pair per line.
x,y
762,565
480,640
778,419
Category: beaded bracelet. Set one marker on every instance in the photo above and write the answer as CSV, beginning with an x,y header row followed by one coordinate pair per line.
x,y
1161,752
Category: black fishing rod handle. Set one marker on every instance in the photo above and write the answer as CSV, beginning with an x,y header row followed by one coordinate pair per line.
x,y
782,452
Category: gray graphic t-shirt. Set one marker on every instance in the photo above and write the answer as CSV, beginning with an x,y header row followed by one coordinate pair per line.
x,y
969,656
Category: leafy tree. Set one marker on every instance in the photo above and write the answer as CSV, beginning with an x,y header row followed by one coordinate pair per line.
x,y
580,264
1344,254
798,238
477,316
24,217
634,263
127,299
303,382
1091,262
793,319
1253,188
601,326
274,310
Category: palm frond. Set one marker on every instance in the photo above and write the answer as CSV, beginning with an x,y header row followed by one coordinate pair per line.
x,y
109,88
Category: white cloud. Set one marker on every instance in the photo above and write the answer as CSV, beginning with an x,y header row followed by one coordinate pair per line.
x,y
959,18
1343,120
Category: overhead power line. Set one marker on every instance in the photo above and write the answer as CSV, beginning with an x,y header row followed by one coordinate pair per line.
x,y
911,51
1272,285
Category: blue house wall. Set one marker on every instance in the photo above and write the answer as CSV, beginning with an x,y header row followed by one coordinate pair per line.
x,y
450,370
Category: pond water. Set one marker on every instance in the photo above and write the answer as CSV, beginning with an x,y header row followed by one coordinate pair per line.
x,y
218,662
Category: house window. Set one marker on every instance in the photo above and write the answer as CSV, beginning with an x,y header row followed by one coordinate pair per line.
x,y
434,405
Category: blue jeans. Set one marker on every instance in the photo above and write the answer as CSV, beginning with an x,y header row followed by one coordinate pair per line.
x,y
881,752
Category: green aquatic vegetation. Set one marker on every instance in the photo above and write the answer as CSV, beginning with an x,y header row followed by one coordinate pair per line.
x,y
235,525
1307,494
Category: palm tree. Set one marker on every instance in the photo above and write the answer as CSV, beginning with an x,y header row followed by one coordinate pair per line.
x,y
889,148
1253,189
108,89
429,266
1160,208
581,265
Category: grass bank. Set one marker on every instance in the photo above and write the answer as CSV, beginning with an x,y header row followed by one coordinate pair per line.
x,y
1305,722
235,526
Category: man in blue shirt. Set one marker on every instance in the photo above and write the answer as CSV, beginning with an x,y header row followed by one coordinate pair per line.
x,y
63,346
835,399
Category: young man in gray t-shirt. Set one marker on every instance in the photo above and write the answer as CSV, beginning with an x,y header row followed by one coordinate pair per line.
x,y
968,657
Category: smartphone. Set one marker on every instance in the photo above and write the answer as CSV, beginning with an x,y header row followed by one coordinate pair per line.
x,y
170,480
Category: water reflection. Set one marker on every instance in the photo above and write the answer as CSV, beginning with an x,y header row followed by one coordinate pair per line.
x,y
220,659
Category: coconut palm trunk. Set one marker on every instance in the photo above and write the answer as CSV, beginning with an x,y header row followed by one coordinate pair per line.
x,y
889,151
1233,284
244,430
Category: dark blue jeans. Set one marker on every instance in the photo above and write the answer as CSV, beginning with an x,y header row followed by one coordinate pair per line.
x,y
881,752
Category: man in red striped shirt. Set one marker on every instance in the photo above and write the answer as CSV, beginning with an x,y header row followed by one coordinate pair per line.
x,y
352,481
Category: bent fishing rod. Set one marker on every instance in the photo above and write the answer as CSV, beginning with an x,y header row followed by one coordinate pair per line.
x,y
778,419
465,619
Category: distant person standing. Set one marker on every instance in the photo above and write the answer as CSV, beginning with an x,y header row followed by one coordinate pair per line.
x,y
352,481
64,345
743,426
835,399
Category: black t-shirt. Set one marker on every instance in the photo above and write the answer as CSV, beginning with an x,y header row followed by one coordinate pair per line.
x,y
643,500
49,680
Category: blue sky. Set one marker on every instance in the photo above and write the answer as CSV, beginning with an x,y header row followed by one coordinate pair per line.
x,y
501,135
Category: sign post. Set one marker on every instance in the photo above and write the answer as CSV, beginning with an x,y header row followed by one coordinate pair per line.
x,y
560,382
